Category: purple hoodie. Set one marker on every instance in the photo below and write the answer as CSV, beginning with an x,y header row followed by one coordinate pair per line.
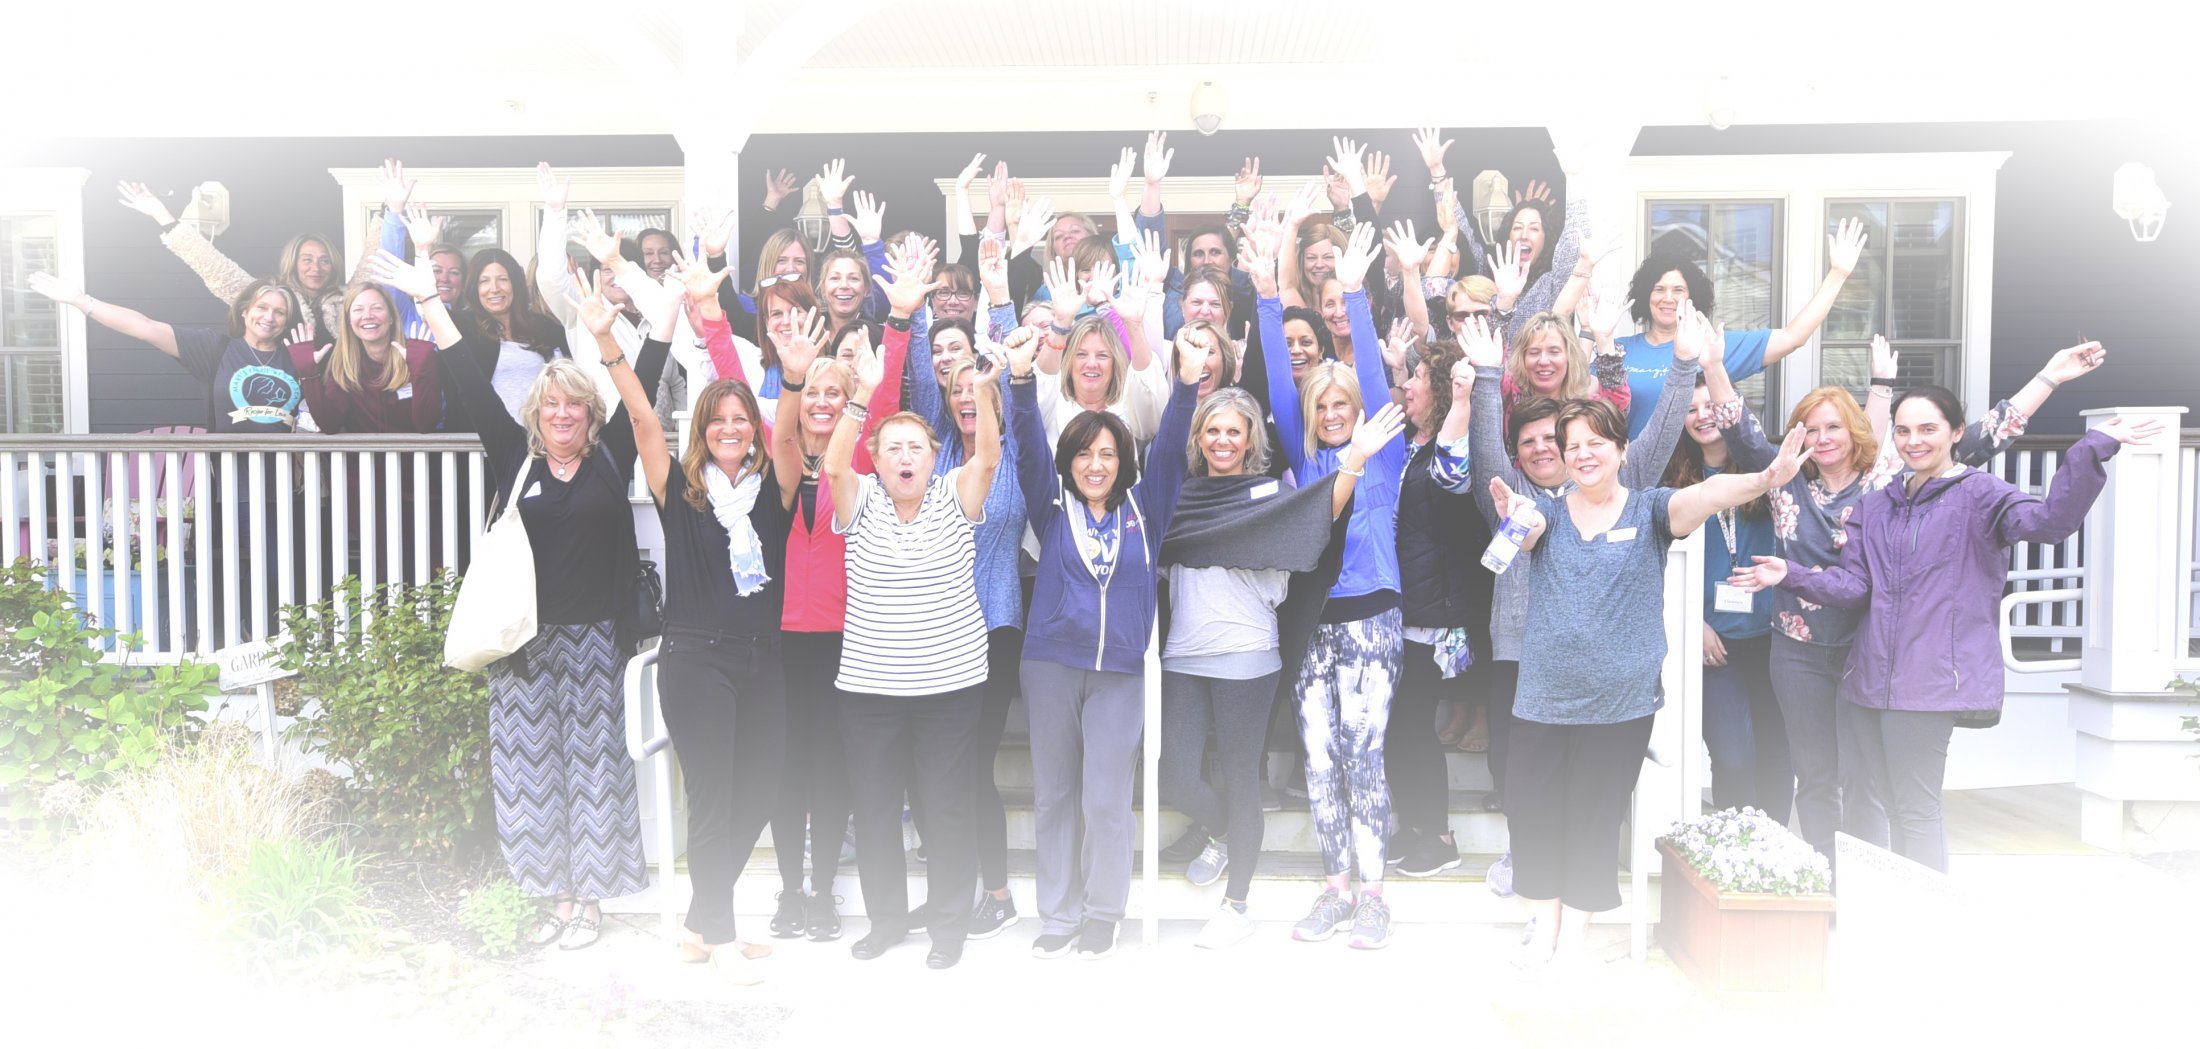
x,y
1929,569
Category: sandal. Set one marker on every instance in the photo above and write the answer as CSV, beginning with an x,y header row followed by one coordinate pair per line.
x,y
548,932
1455,727
579,933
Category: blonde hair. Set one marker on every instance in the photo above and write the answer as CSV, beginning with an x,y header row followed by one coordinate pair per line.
x,y
1315,232
575,384
954,375
1474,288
1863,444
767,260
347,362
286,270
698,452
1118,372
1319,379
1229,399
1225,348
1578,383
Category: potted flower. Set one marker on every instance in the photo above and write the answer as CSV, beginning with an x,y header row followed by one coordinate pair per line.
x,y
1744,905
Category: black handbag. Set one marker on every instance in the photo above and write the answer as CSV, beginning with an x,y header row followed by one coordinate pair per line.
x,y
649,602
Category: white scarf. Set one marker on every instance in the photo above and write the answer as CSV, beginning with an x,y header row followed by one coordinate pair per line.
x,y
731,504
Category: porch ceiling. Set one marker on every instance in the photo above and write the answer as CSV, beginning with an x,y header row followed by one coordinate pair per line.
x,y
429,67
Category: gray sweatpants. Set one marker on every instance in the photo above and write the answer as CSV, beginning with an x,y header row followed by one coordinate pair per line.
x,y
1894,762
1085,730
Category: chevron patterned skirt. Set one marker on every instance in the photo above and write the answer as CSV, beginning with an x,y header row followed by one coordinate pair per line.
x,y
567,818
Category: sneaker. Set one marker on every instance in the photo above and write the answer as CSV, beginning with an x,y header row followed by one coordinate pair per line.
x,y
1053,944
991,916
1208,866
1096,941
1371,924
822,923
1428,855
792,917
1229,926
1185,846
1271,799
1331,912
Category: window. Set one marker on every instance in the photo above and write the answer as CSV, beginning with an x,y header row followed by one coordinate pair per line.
x,y
1908,286
502,207
1738,245
31,392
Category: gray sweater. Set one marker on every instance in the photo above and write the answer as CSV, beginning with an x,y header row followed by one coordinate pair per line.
x,y
1488,458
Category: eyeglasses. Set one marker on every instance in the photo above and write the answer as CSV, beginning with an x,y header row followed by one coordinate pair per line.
x,y
951,293
1461,315
780,278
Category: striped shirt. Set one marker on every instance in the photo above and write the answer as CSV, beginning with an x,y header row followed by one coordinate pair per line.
x,y
913,627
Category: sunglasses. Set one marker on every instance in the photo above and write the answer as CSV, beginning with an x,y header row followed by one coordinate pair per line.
x,y
780,278
1461,315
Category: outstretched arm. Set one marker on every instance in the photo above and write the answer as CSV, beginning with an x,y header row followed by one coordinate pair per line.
x,y
1693,505
107,315
1843,249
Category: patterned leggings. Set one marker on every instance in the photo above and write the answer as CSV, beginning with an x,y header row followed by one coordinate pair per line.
x,y
1344,690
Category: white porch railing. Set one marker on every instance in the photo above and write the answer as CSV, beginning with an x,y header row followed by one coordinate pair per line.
x,y
198,541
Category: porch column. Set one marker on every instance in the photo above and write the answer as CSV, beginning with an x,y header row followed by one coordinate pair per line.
x,y
2132,748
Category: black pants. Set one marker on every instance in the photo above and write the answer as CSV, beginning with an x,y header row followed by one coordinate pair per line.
x,y
1500,679
1004,653
813,791
1235,714
1744,734
725,705
935,738
1569,792
1420,789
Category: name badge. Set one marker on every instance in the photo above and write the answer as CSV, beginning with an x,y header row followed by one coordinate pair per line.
x,y
1620,535
1264,489
1729,598
405,392
533,490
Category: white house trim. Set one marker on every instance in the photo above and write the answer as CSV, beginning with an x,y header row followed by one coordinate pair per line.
x,y
1805,182
60,192
1089,195
512,192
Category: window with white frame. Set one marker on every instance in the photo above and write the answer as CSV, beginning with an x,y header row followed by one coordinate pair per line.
x,y
1737,244
1908,286
502,207
42,362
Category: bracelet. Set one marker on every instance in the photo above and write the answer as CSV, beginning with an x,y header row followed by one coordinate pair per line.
x,y
1058,329
1884,384
615,361
170,227
1361,472
834,211
2051,384
1025,377
855,411
899,323
786,384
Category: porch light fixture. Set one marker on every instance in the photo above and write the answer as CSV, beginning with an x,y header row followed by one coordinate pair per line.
x,y
2138,200
1492,202
811,219
208,210
1718,103
1208,103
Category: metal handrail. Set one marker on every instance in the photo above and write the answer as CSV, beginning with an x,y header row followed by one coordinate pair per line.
x,y
644,712
87,443
2008,647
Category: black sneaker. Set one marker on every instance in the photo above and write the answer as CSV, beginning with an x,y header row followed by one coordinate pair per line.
x,y
823,925
1053,944
1096,940
1427,855
792,917
991,916
1183,849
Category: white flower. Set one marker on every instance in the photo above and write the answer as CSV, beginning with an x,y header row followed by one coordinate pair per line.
x,y
1744,850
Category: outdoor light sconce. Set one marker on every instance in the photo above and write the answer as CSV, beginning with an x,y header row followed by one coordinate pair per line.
x,y
1208,102
208,209
811,219
1718,103
1492,202
2138,200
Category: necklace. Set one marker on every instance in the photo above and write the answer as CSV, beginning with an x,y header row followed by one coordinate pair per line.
x,y
810,463
563,470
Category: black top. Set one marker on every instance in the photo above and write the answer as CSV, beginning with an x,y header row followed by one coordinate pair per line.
x,y
581,529
246,391
699,590
1440,541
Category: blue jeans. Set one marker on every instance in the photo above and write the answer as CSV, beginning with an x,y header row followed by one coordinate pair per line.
x,y
1743,730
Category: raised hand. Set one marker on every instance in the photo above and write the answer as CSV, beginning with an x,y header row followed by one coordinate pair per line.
x,y
1480,344
596,312
2074,362
996,193
906,292
141,200
719,235
1462,382
1264,222
969,173
301,334
1021,347
798,350
1509,268
993,269
1119,175
426,230
1061,281
1601,315
1790,459
1511,504
1193,351
1248,180
697,279
57,289
413,279
1302,206
1359,253
1378,430
869,369
1692,337
1101,284
1399,241
1032,227
1538,191
778,186
1149,263
1433,146
397,190
1845,246
1765,574
1340,191
1259,260
1395,348
1883,358
869,218
2127,432
1347,162
1158,157
554,190
1379,178
1447,214
833,182
602,244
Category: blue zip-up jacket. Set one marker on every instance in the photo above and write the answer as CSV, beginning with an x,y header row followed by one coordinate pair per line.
x,y
1371,537
1074,620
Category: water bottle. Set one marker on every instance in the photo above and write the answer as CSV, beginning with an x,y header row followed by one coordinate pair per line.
x,y
1505,545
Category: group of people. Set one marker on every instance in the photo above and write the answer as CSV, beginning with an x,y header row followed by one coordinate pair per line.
x,y
910,493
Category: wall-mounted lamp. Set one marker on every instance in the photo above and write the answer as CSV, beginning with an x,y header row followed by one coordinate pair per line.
x,y
2138,200
1718,103
1492,202
1208,104
208,209
810,220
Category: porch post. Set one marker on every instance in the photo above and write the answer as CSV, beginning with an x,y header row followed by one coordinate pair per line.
x,y
2132,749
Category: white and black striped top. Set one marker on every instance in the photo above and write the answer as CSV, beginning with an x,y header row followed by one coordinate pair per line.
x,y
913,627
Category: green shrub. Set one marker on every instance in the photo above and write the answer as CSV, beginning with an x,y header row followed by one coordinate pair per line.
x,y
413,732
296,900
68,717
499,914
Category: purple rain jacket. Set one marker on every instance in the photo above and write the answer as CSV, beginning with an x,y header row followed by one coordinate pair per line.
x,y
1928,571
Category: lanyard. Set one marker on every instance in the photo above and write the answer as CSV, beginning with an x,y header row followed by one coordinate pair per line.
x,y
1726,529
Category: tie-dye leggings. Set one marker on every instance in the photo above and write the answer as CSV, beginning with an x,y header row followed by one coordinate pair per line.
x,y
1343,691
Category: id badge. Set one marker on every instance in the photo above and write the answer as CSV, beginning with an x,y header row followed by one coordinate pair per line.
x,y
1730,598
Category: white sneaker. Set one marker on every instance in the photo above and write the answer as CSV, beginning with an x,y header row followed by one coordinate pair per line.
x,y
1228,927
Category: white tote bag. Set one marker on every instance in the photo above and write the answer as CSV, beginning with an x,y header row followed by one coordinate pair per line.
x,y
495,611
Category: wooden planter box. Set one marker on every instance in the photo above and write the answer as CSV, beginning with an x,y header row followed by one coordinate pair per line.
x,y
1741,945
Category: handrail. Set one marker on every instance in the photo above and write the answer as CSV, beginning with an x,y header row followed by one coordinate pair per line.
x,y
653,752
2008,648
88,443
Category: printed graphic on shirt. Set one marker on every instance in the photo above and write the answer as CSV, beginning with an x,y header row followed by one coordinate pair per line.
x,y
264,395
